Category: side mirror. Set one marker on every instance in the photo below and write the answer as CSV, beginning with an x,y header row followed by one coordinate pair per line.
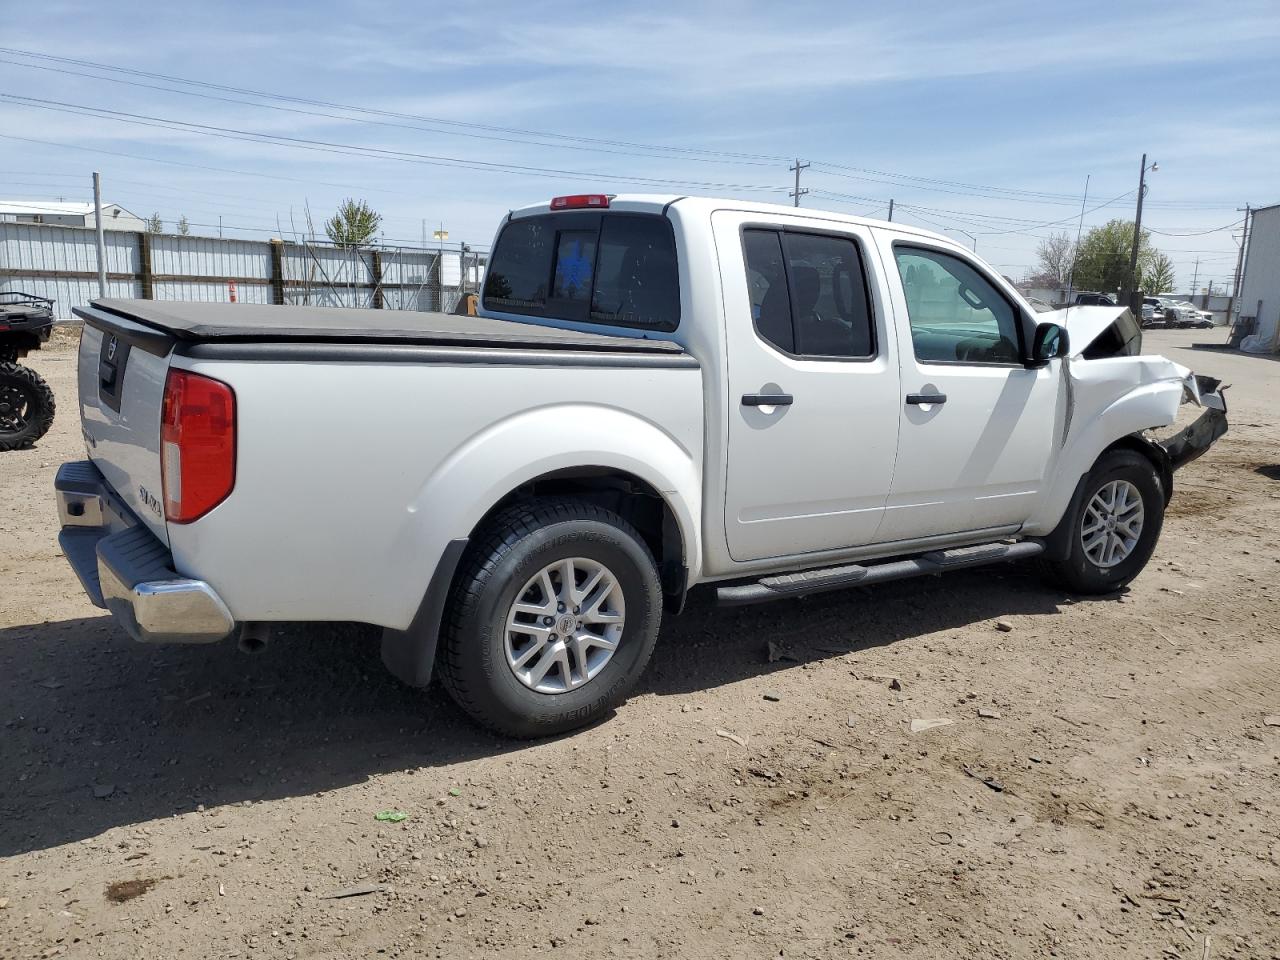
x,y
1049,341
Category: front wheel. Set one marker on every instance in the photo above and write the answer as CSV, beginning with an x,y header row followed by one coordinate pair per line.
x,y
1112,527
26,407
552,619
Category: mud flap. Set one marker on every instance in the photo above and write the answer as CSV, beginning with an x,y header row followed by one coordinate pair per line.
x,y
1191,443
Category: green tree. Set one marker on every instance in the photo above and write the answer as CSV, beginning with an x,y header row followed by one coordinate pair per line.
x,y
1102,262
1157,276
155,224
354,225
184,228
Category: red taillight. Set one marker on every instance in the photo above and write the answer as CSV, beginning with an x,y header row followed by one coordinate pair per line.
x,y
197,445
580,201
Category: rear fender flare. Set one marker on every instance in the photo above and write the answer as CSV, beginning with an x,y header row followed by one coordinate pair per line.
x,y
496,462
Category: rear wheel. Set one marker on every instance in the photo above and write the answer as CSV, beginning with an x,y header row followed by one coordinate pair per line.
x,y
1112,527
552,619
26,407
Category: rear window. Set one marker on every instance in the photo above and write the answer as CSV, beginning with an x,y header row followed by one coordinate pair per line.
x,y
614,269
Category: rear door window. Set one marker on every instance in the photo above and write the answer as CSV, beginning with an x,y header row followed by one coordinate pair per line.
x,y
612,269
809,294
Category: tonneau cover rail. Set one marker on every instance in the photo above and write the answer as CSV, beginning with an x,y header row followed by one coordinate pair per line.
x,y
261,323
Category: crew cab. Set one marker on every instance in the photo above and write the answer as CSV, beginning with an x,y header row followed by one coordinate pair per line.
x,y
659,393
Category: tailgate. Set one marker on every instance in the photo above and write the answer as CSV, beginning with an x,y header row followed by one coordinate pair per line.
x,y
121,376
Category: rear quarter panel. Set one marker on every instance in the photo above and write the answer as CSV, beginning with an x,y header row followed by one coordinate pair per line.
x,y
352,477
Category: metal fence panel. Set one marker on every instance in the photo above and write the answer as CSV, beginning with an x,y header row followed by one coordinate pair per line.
x,y
67,293
210,257
31,246
209,292
61,263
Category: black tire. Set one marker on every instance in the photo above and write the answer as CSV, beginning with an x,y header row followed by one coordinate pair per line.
x,y
1077,572
8,354
518,543
26,407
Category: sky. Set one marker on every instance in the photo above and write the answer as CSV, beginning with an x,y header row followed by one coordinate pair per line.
x,y
980,120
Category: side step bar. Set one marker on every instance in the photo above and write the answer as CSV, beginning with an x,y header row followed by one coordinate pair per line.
x,y
837,578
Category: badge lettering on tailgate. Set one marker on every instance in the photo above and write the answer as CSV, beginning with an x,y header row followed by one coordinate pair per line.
x,y
147,497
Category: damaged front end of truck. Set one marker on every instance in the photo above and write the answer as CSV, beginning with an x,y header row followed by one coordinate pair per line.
x,y
1109,377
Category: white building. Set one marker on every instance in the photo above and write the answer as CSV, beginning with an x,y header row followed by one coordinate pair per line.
x,y
62,214
1260,286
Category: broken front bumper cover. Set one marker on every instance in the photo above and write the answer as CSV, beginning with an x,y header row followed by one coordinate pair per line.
x,y
1192,441
126,570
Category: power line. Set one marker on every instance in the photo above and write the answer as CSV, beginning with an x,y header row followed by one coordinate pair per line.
x,y
347,149
419,127
463,124
518,135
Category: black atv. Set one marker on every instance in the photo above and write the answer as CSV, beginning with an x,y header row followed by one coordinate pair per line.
x,y
26,402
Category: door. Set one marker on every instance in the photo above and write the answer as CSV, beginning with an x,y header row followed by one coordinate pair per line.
x,y
812,386
978,426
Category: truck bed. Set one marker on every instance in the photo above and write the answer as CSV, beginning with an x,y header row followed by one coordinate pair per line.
x,y
260,323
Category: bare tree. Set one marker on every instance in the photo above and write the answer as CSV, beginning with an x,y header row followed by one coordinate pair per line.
x,y
155,224
184,227
1054,257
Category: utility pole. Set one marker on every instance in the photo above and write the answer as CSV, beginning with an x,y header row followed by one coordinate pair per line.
x,y
798,193
1235,284
1195,275
97,227
891,209
1137,229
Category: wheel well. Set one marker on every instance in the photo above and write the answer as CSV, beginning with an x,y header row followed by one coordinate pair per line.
x,y
1140,444
636,501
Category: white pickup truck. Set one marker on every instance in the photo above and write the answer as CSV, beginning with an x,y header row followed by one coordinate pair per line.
x,y
660,392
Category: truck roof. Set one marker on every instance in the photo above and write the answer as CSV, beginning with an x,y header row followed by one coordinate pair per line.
x,y
658,203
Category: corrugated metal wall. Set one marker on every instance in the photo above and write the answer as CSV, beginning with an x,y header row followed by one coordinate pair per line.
x,y
41,259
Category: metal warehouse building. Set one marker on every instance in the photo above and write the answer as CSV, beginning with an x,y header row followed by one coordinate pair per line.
x,y
1260,286
62,214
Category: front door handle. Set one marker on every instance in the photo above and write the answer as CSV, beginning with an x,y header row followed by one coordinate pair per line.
x,y
767,399
916,399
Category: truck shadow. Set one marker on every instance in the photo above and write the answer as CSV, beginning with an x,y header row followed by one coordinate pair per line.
x,y
162,730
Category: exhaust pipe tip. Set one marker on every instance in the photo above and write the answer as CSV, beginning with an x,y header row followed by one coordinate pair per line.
x,y
254,637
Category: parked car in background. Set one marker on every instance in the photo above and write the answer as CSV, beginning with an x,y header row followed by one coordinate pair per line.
x,y
659,392
1193,316
1173,314
1093,300
1039,306
1153,312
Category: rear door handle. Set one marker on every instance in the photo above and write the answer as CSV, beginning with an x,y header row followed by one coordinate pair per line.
x,y
915,399
767,399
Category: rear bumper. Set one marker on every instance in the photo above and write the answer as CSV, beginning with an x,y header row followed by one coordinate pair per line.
x,y
126,570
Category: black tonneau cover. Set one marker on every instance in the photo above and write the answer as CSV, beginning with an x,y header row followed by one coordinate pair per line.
x,y
260,323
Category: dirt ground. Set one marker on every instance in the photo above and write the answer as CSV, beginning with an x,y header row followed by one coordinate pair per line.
x,y
198,802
